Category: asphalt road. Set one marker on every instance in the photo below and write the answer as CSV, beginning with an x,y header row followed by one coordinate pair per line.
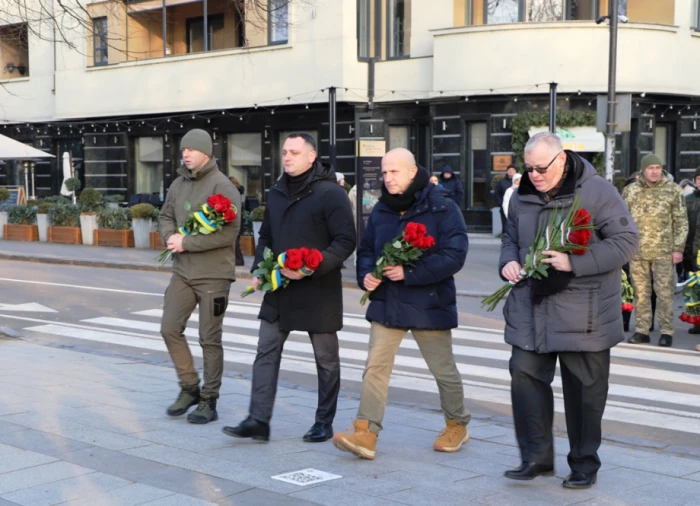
x,y
654,395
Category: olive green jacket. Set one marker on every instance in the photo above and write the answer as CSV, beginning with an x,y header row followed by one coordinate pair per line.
x,y
210,256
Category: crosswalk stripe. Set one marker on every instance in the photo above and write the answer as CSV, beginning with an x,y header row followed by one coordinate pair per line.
x,y
616,411
467,351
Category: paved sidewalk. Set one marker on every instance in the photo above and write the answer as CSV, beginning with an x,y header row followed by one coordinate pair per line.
x,y
86,429
473,280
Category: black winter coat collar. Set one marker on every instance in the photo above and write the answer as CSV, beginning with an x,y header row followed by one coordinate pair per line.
x,y
574,173
318,172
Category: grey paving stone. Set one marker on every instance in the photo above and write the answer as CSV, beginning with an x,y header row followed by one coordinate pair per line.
x,y
5,502
546,489
103,438
6,427
111,462
130,495
41,442
478,466
202,444
420,497
22,459
668,494
182,481
66,490
619,481
179,500
694,477
259,497
249,451
40,422
370,485
660,464
324,494
173,457
634,441
517,500
687,450
47,473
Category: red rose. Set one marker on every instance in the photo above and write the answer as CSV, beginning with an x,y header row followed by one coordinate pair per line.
x,y
304,254
683,317
582,218
213,200
426,242
294,260
314,259
229,215
413,232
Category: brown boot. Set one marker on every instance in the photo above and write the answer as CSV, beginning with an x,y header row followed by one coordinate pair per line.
x,y
361,443
451,438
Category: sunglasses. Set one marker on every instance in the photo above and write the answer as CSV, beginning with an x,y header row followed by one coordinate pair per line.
x,y
541,170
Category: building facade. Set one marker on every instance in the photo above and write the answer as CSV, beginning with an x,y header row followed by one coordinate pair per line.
x,y
459,82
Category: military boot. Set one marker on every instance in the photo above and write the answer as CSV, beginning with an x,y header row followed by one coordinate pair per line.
x,y
189,396
205,412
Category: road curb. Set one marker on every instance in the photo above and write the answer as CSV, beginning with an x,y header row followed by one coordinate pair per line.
x,y
156,267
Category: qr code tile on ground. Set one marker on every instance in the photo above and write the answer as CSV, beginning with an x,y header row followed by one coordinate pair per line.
x,y
306,477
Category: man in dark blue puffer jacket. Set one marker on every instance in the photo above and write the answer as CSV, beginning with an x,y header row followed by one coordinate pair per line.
x,y
420,298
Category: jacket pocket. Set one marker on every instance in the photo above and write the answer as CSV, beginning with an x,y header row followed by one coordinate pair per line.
x,y
575,311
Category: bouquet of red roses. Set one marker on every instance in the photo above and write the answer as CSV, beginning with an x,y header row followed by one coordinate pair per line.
x,y
565,232
404,250
627,294
302,260
691,294
214,214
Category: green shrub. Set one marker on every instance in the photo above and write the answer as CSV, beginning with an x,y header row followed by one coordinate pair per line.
x,y
247,223
91,200
258,213
115,219
33,202
72,184
114,199
44,207
64,215
4,194
21,215
143,211
495,179
57,199
156,214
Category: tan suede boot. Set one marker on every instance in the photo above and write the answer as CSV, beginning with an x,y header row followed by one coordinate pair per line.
x,y
451,438
361,443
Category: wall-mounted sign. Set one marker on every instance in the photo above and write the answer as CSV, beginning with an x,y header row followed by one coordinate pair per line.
x,y
501,162
369,164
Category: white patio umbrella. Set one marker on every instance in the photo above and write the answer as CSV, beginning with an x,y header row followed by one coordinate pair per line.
x,y
66,174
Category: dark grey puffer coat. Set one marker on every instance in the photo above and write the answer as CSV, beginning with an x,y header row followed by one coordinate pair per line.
x,y
585,315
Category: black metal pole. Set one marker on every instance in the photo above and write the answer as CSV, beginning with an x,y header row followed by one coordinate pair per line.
x,y
553,107
332,124
205,7
164,15
612,99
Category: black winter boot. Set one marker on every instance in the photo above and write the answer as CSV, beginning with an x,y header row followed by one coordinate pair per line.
x,y
205,412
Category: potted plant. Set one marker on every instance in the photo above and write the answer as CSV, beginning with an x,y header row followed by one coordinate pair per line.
x,y
247,238
72,185
64,219
42,219
90,203
114,200
114,228
21,224
4,197
156,241
141,220
257,216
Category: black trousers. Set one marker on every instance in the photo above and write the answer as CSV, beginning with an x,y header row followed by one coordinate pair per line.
x,y
266,370
584,378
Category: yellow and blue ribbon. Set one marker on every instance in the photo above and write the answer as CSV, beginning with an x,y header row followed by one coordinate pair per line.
x,y
304,271
276,279
182,231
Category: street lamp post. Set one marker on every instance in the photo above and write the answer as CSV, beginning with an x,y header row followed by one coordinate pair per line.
x,y
612,100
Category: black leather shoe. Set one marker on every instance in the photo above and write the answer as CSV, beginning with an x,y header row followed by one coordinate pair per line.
x,y
694,330
319,432
665,340
638,338
529,471
259,431
579,480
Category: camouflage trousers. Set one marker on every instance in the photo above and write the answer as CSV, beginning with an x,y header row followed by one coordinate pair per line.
x,y
662,273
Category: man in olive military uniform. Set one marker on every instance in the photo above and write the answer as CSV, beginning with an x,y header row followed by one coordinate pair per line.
x,y
658,209
203,268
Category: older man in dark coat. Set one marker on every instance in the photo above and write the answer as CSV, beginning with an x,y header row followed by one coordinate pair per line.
x,y
305,208
574,314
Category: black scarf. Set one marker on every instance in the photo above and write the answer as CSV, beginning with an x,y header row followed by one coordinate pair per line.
x,y
402,202
295,183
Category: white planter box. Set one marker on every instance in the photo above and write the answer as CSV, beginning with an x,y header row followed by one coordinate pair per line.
x,y
88,225
3,222
142,232
42,221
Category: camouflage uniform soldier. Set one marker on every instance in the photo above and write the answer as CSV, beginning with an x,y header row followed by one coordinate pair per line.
x,y
657,206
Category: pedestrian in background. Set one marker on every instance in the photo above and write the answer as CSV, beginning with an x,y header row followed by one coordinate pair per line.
x,y
658,209
204,266
509,193
452,185
500,191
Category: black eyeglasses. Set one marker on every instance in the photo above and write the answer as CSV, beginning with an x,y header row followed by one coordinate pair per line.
x,y
541,170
